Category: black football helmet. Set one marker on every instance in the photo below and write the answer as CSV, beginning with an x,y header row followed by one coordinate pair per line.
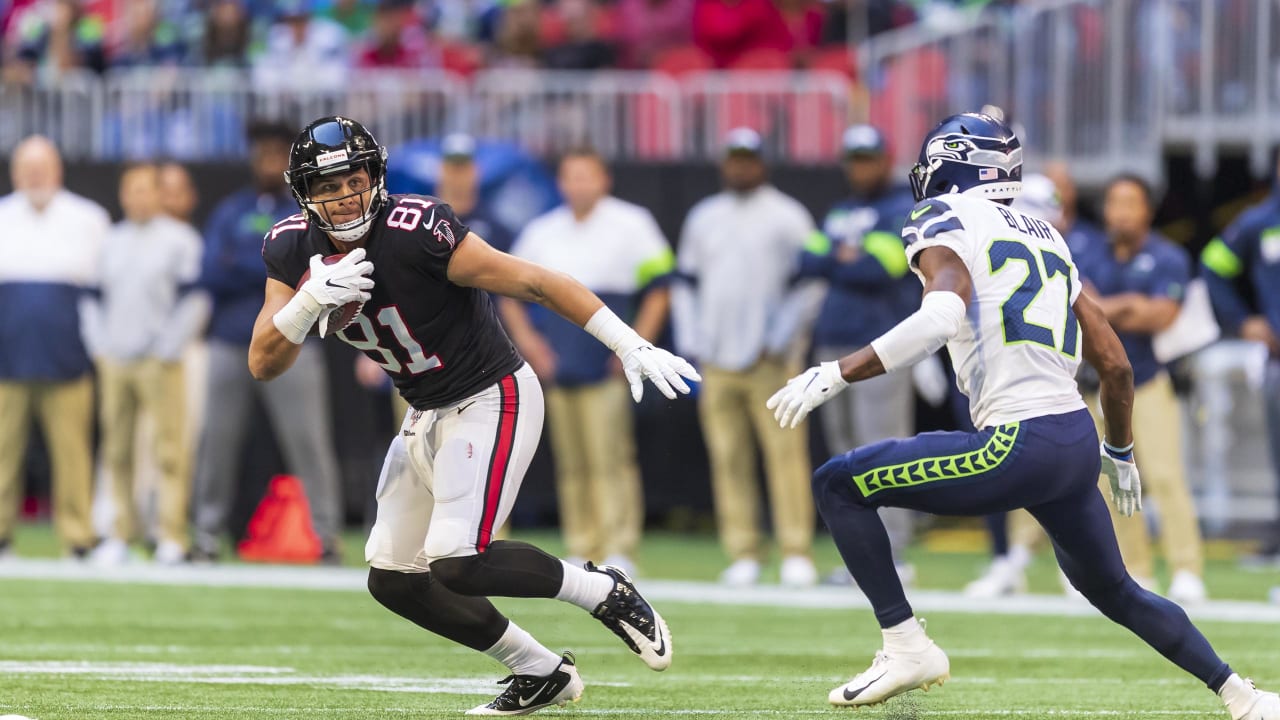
x,y
971,154
330,146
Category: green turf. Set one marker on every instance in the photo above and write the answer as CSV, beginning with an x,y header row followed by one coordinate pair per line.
x,y
730,662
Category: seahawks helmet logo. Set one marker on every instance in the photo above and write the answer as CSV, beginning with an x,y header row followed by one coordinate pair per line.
x,y
973,150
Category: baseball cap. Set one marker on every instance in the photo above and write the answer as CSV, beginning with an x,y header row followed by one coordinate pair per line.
x,y
862,140
743,140
458,146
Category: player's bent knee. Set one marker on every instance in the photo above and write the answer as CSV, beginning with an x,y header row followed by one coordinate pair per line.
x,y
463,574
391,588
832,481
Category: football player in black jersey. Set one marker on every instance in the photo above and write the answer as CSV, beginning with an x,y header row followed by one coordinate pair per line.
x,y
452,473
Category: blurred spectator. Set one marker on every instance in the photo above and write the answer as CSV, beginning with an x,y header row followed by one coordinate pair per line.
x,y
1139,281
51,244
177,192
860,253
302,51
226,35
137,333
738,314
852,21
518,42
582,48
615,249
647,27
355,16
145,38
459,186
298,401
397,41
1082,236
52,38
728,29
1242,269
804,21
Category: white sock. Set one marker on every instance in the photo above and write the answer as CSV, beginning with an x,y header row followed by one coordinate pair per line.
x,y
1019,556
584,589
522,654
906,636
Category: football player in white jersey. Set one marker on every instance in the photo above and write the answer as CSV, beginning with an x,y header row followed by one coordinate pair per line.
x,y
1001,292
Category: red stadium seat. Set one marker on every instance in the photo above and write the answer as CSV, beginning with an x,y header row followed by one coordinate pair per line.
x,y
763,59
838,59
678,61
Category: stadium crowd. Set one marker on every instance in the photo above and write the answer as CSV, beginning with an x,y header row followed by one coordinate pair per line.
x,y
45,37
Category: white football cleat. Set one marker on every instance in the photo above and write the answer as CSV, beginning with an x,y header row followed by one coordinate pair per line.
x,y
1187,588
1003,577
529,693
741,573
797,571
1246,702
891,675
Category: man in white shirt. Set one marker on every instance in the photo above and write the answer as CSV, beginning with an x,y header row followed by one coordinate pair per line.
x,y
616,249
740,314
302,51
137,332
50,244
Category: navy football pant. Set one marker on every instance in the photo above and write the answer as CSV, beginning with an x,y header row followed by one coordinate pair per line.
x,y
1050,466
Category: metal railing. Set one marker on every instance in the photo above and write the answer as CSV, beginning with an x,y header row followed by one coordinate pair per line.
x,y
200,114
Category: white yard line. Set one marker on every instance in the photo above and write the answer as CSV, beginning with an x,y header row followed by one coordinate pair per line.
x,y
353,580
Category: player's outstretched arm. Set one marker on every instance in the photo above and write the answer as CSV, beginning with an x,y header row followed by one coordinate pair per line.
x,y
270,353
1102,350
475,264
941,315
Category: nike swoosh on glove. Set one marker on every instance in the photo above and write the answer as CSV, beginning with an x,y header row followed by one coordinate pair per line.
x,y
1126,485
806,391
340,283
666,371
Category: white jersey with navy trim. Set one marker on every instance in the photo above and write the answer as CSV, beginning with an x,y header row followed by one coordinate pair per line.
x,y
1017,353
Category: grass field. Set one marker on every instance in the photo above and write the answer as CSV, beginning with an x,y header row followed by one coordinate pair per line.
x,y
73,650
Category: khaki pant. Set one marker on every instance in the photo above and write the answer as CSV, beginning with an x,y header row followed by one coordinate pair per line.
x,y
128,391
1157,436
65,413
597,480
734,417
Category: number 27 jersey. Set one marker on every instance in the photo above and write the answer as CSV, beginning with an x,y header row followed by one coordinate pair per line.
x,y
1017,353
440,342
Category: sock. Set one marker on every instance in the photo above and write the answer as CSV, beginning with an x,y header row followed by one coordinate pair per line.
x,y
999,530
1019,556
906,636
584,589
522,654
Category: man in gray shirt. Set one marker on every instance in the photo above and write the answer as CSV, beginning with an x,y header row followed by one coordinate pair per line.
x,y
137,330
739,313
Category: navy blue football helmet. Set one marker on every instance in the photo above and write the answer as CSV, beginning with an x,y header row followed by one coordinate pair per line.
x,y
971,154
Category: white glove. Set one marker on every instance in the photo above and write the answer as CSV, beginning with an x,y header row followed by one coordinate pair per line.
x,y
1126,486
340,283
664,370
805,392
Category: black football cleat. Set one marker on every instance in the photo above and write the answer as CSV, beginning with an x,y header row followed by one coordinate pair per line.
x,y
529,693
632,618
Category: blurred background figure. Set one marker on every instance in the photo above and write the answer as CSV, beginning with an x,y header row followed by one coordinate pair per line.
x,y
227,34
137,332
648,27
51,244
1242,269
1139,280
178,196
302,50
50,39
860,254
397,39
738,315
616,249
298,403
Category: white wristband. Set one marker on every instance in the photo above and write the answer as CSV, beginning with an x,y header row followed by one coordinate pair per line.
x,y
296,319
616,335
922,333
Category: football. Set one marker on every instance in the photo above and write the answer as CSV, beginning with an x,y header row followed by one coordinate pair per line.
x,y
345,314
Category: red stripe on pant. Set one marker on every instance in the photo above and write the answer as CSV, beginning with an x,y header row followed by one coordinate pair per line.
x,y
503,444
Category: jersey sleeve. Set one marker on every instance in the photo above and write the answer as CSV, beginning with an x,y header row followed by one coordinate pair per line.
x,y
436,229
280,250
931,223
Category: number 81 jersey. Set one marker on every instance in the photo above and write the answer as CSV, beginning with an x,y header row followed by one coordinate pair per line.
x,y
440,342
1016,355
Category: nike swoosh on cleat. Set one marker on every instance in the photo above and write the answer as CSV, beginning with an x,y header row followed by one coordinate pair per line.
x,y
525,702
639,638
851,695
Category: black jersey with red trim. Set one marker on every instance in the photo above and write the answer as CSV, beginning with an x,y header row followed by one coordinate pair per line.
x,y
440,342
